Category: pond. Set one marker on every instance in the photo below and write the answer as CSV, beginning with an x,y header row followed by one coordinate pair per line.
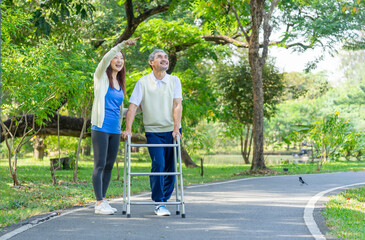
x,y
237,159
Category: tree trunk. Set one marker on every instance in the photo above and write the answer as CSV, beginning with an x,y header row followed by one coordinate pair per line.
x,y
251,140
173,61
13,168
52,169
189,163
257,9
86,149
78,150
53,174
71,126
11,129
14,175
39,147
244,151
325,154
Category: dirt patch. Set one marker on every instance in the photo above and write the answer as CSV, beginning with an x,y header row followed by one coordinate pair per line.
x,y
261,172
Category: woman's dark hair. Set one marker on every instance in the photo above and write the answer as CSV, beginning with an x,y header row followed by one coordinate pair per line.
x,y
120,77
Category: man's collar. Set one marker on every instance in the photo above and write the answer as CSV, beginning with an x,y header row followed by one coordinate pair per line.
x,y
164,79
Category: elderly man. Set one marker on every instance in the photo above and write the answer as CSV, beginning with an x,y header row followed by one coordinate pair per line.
x,y
160,97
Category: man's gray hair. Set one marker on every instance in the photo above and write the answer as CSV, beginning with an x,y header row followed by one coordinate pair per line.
x,y
152,55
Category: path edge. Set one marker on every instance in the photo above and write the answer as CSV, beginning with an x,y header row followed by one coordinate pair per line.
x,y
310,209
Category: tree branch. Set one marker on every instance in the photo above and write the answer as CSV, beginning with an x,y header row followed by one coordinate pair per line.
x,y
72,126
222,39
128,6
298,44
133,22
267,31
272,7
173,54
151,12
240,24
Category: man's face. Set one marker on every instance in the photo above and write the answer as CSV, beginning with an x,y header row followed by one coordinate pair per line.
x,y
160,62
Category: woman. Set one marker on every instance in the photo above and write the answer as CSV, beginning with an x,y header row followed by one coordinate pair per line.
x,y
109,92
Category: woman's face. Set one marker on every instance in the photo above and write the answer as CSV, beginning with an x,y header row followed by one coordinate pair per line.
x,y
117,62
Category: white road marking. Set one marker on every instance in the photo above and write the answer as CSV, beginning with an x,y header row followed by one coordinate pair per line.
x,y
308,211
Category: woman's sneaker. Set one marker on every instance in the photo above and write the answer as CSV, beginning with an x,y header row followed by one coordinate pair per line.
x,y
114,209
161,210
103,209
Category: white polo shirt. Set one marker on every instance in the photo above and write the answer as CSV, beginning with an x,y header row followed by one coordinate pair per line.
x,y
136,97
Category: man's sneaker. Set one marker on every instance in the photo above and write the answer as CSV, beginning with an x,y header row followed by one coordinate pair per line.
x,y
161,210
114,209
103,209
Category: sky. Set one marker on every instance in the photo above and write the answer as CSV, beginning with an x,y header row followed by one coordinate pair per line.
x,y
289,61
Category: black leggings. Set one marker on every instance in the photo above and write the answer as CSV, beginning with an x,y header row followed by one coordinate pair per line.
x,y
105,147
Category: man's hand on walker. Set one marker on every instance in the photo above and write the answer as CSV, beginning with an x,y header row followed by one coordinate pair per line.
x,y
174,133
125,134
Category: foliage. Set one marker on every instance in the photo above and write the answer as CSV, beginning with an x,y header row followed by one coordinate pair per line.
x,y
318,23
328,134
80,61
14,24
358,44
305,85
198,103
304,99
39,79
169,36
217,17
331,136
68,145
353,145
299,24
47,16
233,83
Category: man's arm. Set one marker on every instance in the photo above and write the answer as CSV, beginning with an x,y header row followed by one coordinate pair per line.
x,y
129,120
177,113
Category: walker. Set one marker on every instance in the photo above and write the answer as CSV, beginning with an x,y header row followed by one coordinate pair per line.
x,y
127,178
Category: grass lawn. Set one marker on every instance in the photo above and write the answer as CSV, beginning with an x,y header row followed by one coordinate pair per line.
x,y
345,214
37,194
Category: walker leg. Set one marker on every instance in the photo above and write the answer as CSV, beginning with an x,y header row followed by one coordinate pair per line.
x,y
181,182
129,179
124,180
176,182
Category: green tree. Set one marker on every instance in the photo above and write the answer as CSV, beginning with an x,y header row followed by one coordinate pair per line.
x,y
328,134
303,101
80,104
234,83
36,80
245,23
353,145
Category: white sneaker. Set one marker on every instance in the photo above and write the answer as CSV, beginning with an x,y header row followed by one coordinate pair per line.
x,y
103,209
114,209
161,210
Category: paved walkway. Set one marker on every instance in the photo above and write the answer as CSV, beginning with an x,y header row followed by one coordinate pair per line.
x,y
254,208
